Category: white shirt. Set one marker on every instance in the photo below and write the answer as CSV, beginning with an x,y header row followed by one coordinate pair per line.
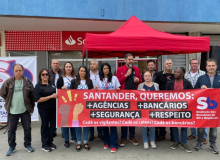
x,y
94,78
56,78
67,81
193,74
82,85
111,85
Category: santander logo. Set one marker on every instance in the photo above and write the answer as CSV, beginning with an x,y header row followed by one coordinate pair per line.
x,y
79,41
70,41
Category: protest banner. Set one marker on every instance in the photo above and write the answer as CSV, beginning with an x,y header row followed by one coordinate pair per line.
x,y
187,108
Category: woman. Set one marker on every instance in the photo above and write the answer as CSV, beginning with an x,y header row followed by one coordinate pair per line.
x,y
45,96
179,83
82,82
148,85
109,82
64,83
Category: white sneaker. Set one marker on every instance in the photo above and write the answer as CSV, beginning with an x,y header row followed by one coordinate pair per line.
x,y
153,145
146,145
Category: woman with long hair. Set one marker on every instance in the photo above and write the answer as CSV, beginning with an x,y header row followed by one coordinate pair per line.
x,y
45,96
82,81
148,85
109,82
64,83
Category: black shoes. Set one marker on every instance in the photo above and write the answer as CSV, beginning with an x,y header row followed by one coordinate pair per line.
x,y
67,144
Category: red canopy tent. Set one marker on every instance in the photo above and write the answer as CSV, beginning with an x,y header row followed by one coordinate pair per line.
x,y
134,36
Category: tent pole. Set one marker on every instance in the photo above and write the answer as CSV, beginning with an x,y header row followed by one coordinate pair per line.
x,y
86,58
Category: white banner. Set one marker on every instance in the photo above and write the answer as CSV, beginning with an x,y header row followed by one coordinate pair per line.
x,y
6,71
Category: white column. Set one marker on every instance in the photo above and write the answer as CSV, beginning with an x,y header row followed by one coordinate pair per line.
x,y
2,47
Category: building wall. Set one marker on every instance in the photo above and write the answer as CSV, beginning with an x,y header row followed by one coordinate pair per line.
x,y
146,10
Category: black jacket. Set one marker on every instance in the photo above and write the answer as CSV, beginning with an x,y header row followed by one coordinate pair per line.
x,y
52,75
161,79
186,85
60,83
74,84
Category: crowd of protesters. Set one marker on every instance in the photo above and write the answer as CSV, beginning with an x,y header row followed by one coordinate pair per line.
x,y
20,96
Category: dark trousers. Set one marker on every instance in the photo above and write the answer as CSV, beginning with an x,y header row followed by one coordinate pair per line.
x,y
212,135
161,131
99,129
48,124
12,125
124,132
111,139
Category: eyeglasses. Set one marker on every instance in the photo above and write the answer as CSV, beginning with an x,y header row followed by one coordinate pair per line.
x,y
46,74
194,63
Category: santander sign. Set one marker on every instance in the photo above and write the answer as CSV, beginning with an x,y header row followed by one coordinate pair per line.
x,y
72,40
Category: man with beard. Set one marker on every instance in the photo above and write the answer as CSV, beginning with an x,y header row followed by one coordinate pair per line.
x,y
151,67
129,77
162,79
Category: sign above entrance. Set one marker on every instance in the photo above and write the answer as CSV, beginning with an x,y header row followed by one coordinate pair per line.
x,y
72,40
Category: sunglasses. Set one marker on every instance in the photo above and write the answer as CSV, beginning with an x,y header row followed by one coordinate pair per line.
x,y
46,74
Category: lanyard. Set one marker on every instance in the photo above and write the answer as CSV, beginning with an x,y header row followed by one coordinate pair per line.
x,y
106,84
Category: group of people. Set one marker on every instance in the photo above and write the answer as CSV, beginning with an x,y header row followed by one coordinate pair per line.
x,y
20,97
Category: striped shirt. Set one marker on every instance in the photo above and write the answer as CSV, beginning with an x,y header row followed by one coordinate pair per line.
x,y
193,79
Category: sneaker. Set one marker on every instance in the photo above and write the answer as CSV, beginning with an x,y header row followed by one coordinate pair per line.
x,y
29,149
106,146
175,145
10,151
186,148
53,146
205,141
101,137
73,141
153,145
47,149
122,143
91,137
67,144
214,149
113,150
198,147
191,137
134,141
146,145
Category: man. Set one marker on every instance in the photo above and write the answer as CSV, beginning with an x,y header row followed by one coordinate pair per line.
x,y
129,77
94,76
151,67
18,94
192,76
179,83
162,79
55,74
209,80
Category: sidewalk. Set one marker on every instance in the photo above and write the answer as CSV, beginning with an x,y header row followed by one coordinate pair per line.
x,y
129,152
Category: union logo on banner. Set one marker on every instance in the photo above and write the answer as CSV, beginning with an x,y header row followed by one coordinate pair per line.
x,y
6,71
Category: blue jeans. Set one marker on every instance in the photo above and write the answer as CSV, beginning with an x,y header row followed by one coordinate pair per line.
x,y
111,139
194,132
176,135
65,131
99,129
152,134
124,132
79,134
